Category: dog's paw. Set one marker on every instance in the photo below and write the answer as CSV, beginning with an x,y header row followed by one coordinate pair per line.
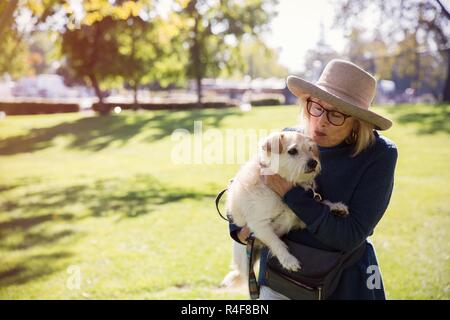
x,y
289,262
338,208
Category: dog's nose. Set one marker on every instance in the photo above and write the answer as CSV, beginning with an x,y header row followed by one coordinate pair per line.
x,y
312,163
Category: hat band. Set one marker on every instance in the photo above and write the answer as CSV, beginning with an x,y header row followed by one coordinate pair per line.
x,y
358,101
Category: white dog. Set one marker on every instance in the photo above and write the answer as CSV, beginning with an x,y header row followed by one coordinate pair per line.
x,y
251,203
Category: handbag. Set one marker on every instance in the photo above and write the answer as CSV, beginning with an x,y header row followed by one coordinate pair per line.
x,y
320,273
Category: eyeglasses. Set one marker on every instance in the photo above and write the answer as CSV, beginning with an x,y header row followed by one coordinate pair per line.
x,y
336,118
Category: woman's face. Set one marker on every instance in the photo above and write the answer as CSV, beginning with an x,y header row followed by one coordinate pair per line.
x,y
323,132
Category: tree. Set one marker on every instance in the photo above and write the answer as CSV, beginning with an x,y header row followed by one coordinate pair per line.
x,y
19,53
90,54
260,61
109,44
103,49
119,43
14,51
44,51
401,62
147,52
7,9
13,55
422,25
214,30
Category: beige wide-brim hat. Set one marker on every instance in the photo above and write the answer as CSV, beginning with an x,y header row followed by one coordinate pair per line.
x,y
345,86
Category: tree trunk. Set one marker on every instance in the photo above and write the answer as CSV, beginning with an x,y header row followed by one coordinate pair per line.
x,y
197,64
103,110
446,93
199,90
7,15
135,98
135,85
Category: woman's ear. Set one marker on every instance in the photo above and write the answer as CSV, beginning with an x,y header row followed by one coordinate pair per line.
x,y
353,136
356,126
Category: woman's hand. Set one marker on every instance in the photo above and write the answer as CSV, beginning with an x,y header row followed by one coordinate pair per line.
x,y
243,234
277,184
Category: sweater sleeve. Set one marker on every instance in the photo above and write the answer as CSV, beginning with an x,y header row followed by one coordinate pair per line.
x,y
367,206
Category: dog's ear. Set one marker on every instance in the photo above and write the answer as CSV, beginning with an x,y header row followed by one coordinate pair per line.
x,y
274,143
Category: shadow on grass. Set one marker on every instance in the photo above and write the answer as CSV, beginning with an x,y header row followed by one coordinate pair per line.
x,y
167,122
23,230
19,183
32,268
30,222
47,219
123,198
97,133
429,119
32,232
128,197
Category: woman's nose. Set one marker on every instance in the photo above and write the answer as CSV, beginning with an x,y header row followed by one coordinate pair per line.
x,y
323,120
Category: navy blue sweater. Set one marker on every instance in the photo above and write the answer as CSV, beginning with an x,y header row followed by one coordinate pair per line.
x,y
364,183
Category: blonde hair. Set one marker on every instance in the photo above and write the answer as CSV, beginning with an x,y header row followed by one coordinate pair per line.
x,y
361,136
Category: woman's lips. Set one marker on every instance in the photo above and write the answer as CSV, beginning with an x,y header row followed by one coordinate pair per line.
x,y
319,133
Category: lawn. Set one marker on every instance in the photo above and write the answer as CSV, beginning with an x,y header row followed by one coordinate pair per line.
x,y
95,207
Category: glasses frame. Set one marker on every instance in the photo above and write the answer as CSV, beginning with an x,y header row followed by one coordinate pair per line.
x,y
308,107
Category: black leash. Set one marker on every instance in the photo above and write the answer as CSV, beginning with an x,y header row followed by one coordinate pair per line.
x,y
252,282
217,204
228,218
253,285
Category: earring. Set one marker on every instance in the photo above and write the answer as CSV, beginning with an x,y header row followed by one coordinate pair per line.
x,y
353,136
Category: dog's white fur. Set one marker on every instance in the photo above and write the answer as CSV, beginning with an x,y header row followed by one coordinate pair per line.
x,y
251,203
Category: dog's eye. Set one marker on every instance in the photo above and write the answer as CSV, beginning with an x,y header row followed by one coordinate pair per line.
x,y
293,151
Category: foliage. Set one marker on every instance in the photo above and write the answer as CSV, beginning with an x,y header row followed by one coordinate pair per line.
x,y
260,61
125,43
403,30
90,53
44,51
148,52
214,31
7,9
14,54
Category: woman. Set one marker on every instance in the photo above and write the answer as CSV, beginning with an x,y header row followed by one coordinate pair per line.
x,y
357,169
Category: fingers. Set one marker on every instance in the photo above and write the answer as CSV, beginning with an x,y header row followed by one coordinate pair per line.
x,y
246,232
243,234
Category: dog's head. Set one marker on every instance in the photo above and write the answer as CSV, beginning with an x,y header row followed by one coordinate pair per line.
x,y
292,155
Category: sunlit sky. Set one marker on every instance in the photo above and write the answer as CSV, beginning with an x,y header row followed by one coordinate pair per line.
x,y
297,29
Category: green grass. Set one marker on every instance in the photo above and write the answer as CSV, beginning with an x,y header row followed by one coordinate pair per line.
x,y
102,194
